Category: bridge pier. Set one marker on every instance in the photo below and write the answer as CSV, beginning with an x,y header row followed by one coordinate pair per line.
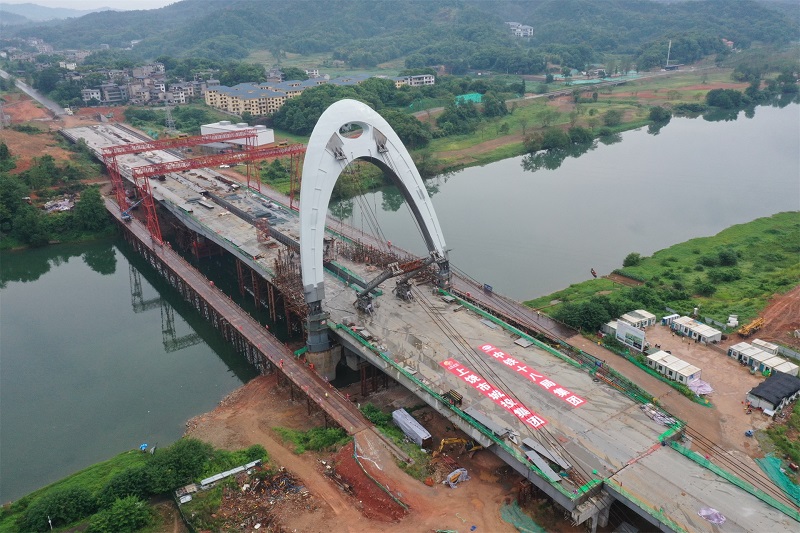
x,y
325,361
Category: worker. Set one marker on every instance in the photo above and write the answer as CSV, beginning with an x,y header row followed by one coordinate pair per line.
x,y
281,363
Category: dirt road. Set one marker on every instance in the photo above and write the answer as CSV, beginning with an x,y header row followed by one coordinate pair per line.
x,y
782,319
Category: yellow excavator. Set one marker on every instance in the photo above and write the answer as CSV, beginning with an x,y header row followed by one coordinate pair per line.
x,y
467,446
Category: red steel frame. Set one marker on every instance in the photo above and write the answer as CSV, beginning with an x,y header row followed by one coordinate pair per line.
x,y
140,174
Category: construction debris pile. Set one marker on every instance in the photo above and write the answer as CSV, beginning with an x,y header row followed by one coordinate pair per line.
x,y
650,410
256,501
61,204
439,468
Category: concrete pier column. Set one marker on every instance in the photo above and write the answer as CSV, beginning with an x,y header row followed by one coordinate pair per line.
x,y
325,362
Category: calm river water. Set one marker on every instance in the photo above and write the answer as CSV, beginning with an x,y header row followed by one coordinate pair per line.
x,y
87,372
531,233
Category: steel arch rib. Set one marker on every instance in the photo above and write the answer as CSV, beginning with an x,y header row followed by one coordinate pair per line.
x,y
322,168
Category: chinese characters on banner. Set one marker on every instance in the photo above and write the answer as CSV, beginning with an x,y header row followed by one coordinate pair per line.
x,y
550,386
499,397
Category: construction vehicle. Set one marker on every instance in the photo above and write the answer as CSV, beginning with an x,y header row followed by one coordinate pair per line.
x,y
466,446
752,327
126,215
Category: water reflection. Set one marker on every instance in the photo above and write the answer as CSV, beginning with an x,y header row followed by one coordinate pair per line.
x,y
100,257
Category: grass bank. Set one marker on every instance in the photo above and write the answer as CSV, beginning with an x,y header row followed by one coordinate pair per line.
x,y
736,271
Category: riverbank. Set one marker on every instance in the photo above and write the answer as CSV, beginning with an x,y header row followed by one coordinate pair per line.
x,y
739,271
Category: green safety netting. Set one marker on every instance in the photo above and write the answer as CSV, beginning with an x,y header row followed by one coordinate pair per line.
x,y
515,516
771,465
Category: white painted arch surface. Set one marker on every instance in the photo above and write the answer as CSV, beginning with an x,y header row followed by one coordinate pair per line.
x,y
327,155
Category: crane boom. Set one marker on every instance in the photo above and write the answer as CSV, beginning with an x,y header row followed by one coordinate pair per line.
x,y
407,270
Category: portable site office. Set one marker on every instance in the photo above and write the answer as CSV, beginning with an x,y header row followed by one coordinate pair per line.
x,y
757,360
787,367
696,330
770,364
766,346
654,359
687,374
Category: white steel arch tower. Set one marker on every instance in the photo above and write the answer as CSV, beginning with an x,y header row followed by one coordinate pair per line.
x,y
327,155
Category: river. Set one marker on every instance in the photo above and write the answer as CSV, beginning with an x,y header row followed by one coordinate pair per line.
x,y
528,234
87,372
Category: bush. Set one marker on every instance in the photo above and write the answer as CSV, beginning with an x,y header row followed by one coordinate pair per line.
x,y
709,260
177,465
612,117
375,415
724,275
660,114
63,507
632,259
130,482
315,439
704,288
580,135
728,257
125,516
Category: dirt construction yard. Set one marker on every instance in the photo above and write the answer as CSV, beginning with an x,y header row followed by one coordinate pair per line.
x,y
249,415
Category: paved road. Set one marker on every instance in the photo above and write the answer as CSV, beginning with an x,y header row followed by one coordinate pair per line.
x,y
36,95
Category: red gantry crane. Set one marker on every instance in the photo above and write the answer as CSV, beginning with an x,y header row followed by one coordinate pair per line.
x,y
139,175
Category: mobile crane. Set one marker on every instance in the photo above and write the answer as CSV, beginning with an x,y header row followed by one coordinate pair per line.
x,y
126,215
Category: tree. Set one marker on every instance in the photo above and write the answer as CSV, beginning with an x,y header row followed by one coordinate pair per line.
x,y
29,226
728,257
555,139
660,114
12,192
43,172
130,482
612,117
6,159
247,117
632,259
62,507
90,211
493,106
125,515
294,73
587,316
178,464
46,80
579,135
523,122
547,116
704,288
573,117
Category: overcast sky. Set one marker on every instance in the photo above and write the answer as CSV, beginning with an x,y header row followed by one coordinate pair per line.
x,y
93,4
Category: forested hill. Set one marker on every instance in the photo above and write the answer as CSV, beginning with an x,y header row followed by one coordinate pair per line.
x,y
458,33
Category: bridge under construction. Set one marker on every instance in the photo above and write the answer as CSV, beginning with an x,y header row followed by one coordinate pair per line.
x,y
572,426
